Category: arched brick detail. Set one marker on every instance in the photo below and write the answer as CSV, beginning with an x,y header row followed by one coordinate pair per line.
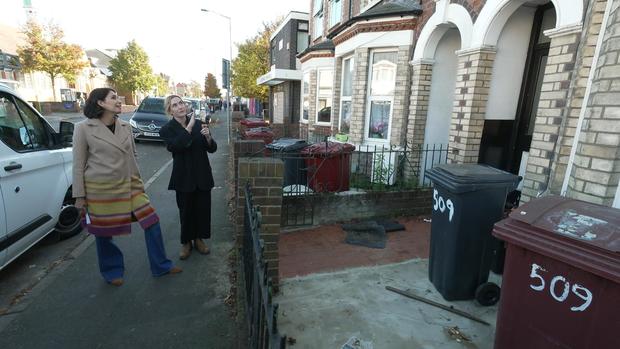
x,y
428,8
472,6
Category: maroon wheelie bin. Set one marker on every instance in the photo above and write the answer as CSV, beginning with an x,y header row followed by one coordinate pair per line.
x,y
329,166
561,283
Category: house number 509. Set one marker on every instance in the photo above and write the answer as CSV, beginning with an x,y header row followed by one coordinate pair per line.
x,y
440,204
556,290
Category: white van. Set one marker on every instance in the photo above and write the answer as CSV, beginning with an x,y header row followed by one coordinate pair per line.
x,y
35,178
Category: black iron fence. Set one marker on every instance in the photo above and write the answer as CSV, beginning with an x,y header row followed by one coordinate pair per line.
x,y
338,169
261,312
332,169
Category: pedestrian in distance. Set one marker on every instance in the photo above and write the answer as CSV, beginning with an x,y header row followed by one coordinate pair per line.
x,y
189,140
108,188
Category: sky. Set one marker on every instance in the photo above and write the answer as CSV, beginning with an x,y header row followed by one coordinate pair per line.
x,y
180,39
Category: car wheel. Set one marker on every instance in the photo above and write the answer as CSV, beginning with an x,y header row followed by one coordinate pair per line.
x,y
69,220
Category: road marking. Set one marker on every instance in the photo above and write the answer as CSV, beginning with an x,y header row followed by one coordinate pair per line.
x,y
157,174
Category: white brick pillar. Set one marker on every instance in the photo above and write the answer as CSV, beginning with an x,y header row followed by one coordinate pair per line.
x,y
400,110
421,76
470,99
358,100
583,65
552,110
596,168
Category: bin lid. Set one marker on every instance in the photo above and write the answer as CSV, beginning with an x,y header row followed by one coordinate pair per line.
x,y
585,222
460,178
580,234
288,144
327,149
253,122
259,130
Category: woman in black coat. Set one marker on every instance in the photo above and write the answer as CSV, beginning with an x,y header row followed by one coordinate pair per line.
x,y
189,140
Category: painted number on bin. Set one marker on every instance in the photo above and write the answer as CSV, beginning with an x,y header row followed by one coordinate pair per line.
x,y
560,288
440,204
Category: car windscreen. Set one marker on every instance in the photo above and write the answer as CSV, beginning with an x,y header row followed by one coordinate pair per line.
x,y
151,105
195,104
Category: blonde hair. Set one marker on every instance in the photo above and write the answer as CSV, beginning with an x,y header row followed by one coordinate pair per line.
x,y
168,101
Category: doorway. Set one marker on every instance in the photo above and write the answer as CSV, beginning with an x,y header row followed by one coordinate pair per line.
x,y
512,155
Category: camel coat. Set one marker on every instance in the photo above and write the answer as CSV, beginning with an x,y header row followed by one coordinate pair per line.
x,y
105,173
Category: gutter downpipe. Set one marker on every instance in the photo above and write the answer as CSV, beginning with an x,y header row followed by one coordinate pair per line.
x,y
586,98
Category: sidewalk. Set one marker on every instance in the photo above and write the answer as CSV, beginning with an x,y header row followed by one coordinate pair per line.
x,y
332,291
76,309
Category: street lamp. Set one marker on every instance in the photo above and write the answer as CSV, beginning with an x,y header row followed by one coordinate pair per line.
x,y
229,64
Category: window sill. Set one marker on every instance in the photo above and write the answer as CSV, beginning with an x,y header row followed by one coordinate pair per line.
x,y
323,123
335,26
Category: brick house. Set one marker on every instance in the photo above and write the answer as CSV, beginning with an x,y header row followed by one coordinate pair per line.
x,y
508,83
284,77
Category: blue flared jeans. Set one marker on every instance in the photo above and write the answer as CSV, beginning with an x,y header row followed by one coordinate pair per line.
x,y
111,263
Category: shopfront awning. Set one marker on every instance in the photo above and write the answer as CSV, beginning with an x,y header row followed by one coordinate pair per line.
x,y
278,76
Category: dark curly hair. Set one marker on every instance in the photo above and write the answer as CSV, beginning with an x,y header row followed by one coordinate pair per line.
x,y
92,110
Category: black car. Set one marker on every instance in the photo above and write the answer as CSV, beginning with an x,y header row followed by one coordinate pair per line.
x,y
148,119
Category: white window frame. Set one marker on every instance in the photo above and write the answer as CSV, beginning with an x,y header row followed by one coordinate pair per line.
x,y
303,95
370,99
333,21
318,96
318,14
342,97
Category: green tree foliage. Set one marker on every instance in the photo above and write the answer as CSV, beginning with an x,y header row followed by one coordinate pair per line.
x,y
252,62
194,89
45,51
162,84
211,89
131,71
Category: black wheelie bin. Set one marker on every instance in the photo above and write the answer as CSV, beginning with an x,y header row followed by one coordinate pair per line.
x,y
467,200
288,149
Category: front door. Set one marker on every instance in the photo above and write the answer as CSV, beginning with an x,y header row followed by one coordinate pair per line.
x,y
530,89
529,106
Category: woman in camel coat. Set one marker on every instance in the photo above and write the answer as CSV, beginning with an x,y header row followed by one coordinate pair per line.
x,y
108,187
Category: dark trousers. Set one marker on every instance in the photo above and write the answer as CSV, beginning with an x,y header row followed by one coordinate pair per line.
x,y
195,215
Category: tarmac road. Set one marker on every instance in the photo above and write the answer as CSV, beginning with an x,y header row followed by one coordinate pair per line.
x,y
72,307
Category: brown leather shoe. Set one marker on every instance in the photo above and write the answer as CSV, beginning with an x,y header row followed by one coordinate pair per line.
x,y
116,282
175,270
201,246
186,250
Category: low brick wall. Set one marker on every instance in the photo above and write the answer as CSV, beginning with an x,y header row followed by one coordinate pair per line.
x,y
265,176
342,208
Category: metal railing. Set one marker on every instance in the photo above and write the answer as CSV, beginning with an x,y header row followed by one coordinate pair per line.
x,y
367,168
261,312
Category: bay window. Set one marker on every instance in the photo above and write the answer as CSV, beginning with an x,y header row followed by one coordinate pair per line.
x,y
317,13
345,96
324,96
335,12
305,93
381,95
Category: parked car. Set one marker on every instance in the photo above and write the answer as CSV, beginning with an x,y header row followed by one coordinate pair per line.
x,y
35,178
148,119
198,108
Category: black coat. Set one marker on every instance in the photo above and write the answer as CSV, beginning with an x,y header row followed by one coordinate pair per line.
x,y
191,169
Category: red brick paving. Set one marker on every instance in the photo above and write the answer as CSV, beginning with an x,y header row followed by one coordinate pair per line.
x,y
323,249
